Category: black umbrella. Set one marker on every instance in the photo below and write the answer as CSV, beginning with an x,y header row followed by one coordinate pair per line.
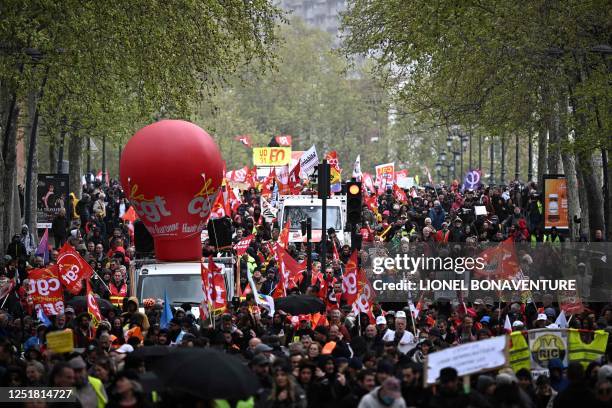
x,y
153,352
299,304
80,304
206,374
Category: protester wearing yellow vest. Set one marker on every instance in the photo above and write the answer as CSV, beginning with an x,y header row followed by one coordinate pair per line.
x,y
519,352
583,352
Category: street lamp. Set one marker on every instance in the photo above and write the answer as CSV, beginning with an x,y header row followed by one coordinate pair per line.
x,y
449,141
443,156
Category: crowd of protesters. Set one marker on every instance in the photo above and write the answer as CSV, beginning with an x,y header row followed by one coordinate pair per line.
x,y
339,360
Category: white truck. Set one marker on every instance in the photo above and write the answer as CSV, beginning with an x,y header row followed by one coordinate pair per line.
x,y
181,281
300,207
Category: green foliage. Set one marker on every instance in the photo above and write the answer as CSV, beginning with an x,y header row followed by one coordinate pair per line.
x,y
114,66
491,63
309,96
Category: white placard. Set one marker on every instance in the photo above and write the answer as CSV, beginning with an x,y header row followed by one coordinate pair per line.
x,y
309,161
468,358
480,210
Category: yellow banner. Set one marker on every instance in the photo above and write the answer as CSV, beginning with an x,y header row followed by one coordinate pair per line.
x,y
60,341
271,156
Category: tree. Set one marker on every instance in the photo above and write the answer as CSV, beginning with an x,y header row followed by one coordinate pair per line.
x,y
504,67
110,68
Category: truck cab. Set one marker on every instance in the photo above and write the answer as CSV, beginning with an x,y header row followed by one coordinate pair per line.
x,y
181,281
298,208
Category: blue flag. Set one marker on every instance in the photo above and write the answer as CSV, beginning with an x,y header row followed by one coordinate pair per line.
x,y
42,317
166,316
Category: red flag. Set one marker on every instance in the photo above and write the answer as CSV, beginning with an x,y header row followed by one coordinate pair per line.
x,y
130,215
371,202
293,269
365,297
283,238
335,254
46,290
266,185
500,262
399,194
92,306
281,287
220,207
245,140
242,245
73,269
349,280
284,140
213,286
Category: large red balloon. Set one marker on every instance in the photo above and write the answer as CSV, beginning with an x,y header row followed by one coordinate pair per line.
x,y
171,172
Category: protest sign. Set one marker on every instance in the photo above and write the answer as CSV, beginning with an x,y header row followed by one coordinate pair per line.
x,y
60,341
468,358
271,156
545,345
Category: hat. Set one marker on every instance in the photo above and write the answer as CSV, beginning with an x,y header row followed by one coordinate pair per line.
x,y
69,309
448,374
392,387
478,302
400,314
356,363
485,319
125,348
77,363
381,320
457,220
260,360
262,348
517,323
542,316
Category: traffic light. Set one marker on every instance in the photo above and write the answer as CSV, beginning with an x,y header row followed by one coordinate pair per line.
x,y
353,202
323,180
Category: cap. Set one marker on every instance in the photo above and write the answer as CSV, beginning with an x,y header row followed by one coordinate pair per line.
x,y
262,348
260,360
550,312
392,387
485,319
542,316
381,320
478,302
125,348
400,314
69,309
77,363
517,323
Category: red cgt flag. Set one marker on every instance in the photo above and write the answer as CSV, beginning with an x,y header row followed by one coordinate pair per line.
x,y
72,269
242,245
284,140
500,262
349,280
92,306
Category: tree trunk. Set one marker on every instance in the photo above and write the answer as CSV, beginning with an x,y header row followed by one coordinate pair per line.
x,y
542,154
573,201
52,156
608,203
584,203
32,105
7,183
75,156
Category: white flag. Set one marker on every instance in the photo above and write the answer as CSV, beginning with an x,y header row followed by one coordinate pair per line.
x,y
309,161
507,324
561,320
357,168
